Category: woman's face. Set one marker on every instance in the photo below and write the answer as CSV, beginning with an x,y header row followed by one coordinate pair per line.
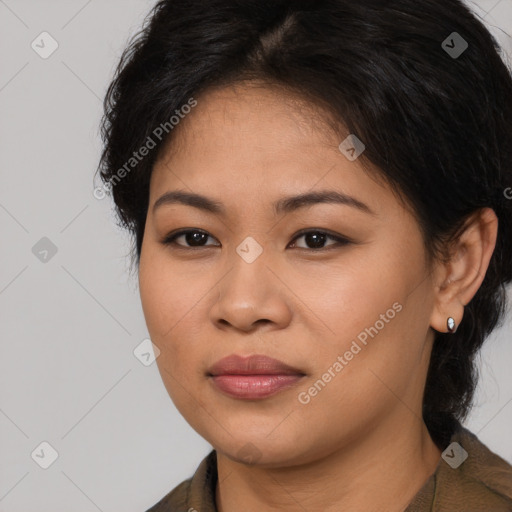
x,y
352,318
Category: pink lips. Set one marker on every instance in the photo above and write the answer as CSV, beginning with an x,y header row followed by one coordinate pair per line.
x,y
253,377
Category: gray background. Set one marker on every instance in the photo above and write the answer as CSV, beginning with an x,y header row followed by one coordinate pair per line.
x,y
69,324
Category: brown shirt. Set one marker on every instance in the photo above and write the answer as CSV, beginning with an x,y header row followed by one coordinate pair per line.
x,y
468,478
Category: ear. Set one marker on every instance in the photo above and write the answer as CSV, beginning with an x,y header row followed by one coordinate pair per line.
x,y
458,280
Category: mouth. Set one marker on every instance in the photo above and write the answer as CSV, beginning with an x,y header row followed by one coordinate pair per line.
x,y
254,377
254,387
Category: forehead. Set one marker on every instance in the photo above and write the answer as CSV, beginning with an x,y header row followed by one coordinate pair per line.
x,y
258,143
244,116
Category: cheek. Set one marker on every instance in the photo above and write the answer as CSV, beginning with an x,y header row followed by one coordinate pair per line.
x,y
167,299
368,316
350,296
174,305
167,294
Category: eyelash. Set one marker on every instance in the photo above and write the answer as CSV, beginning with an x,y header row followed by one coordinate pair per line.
x,y
341,241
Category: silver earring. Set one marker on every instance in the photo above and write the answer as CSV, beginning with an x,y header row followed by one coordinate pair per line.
x,y
451,324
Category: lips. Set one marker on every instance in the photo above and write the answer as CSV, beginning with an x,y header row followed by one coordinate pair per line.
x,y
252,365
252,378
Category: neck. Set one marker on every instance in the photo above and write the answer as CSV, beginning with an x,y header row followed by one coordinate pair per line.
x,y
382,471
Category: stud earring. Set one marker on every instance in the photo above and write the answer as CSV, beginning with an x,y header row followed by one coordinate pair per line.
x,y
451,325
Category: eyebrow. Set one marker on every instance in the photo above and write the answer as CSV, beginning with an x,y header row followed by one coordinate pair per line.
x,y
284,205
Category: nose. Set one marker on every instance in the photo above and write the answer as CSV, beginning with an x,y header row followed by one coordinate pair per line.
x,y
251,297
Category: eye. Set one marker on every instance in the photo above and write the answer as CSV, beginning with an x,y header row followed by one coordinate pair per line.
x,y
317,239
193,237
314,239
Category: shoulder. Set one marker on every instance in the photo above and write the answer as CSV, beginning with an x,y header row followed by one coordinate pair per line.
x,y
195,493
174,500
471,475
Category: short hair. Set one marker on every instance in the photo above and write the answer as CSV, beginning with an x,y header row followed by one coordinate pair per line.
x,y
435,117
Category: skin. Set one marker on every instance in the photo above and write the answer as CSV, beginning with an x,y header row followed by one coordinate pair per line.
x,y
360,443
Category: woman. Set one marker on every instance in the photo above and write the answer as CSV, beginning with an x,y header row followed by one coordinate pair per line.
x,y
319,193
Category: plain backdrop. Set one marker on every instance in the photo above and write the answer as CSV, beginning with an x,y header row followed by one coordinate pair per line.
x,y
70,314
